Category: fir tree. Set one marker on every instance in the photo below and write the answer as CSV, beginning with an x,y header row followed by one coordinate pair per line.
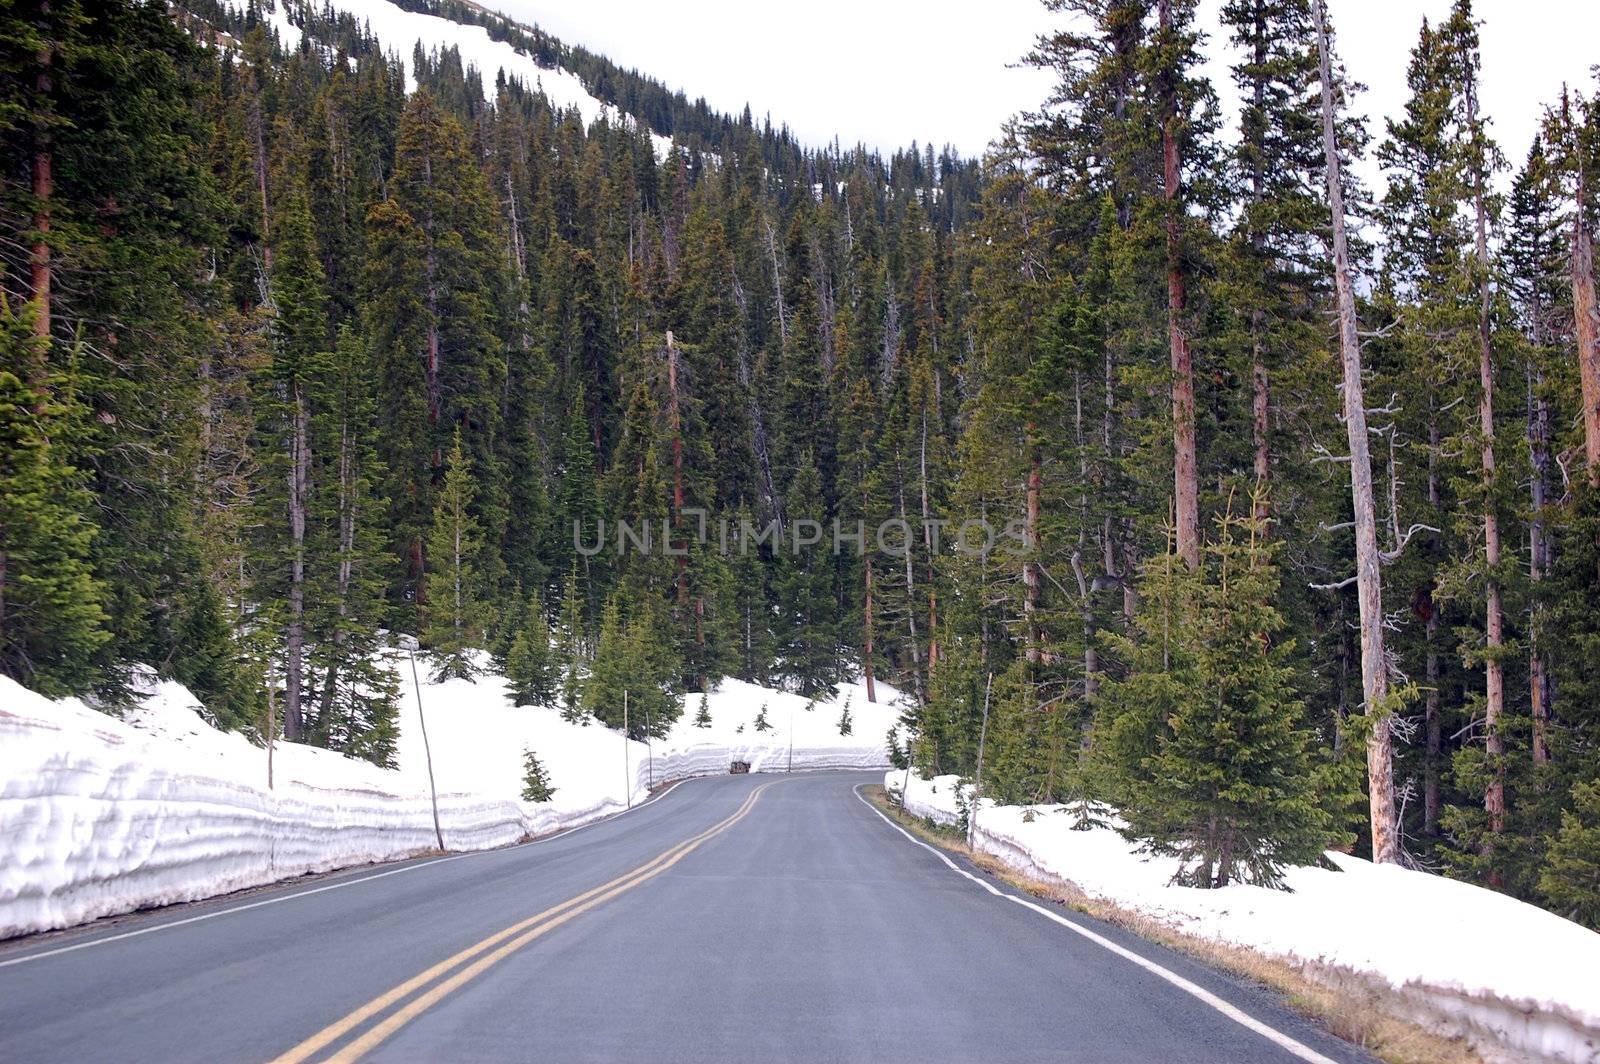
x,y
455,615
52,623
761,722
803,588
898,757
845,721
530,665
571,654
702,716
535,779
1209,733
355,694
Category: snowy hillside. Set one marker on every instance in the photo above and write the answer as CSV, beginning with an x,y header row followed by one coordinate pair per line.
x,y
100,815
1531,985
400,31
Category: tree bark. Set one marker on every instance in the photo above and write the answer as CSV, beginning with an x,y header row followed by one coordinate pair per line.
x,y
927,544
1185,469
1369,579
866,660
1494,799
1587,329
1030,567
1538,547
43,188
294,651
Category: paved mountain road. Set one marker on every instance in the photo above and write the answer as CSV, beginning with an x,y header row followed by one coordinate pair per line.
x,y
736,918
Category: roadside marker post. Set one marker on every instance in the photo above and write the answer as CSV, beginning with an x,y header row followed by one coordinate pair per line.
x,y
977,789
427,750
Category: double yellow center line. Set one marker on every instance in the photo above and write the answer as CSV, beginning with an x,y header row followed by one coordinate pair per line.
x,y
476,959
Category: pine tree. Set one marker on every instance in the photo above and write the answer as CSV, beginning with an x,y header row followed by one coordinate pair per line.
x,y
898,756
1571,879
702,716
807,607
530,664
535,779
355,694
761,722
846,723
456,612
52,623
1211,748
435,287
571,655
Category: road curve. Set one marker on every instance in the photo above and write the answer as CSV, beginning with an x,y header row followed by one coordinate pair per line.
x,y
736,918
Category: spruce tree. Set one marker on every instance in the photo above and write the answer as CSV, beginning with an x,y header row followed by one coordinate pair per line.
x,y
354,697
1213,752
535,779
571,656
456,611
52,623
808,609
530,665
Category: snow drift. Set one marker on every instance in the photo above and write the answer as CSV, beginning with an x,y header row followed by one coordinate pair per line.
x,y
100,815
1517,981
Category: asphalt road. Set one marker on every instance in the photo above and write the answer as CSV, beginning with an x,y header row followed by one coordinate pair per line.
x,y
736,918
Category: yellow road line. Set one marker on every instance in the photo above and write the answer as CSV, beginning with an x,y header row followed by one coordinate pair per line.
x,y
525,930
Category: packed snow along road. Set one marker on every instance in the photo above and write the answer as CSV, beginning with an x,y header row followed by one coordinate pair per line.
x,y
734,918
100,815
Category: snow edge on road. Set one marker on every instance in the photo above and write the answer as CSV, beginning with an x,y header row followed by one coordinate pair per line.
x,y
1527,995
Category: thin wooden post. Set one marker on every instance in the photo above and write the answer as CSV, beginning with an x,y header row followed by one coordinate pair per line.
x,y
977,791
427,751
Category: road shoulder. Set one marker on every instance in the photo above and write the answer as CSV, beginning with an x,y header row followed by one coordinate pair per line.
x,y
1357,1012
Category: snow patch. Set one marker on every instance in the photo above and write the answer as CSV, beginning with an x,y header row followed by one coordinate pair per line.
x,y
1490,965
100,815
400,32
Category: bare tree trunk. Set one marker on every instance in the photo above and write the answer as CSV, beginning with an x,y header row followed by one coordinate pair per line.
x,y
1185,468
257,129
294,651
1494,800
911,609
866,660
1030,567
1587,329
1538,548
43,190
1260,404
1434,726
927,544
777,285
1369,578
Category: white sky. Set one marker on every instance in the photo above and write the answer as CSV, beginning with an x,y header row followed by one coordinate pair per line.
x,y
884,72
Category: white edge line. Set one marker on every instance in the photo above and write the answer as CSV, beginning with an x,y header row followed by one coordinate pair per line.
x,y
1232,1012
102,940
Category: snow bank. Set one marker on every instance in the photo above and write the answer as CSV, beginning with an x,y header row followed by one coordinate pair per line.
x,y
1516,979
100,815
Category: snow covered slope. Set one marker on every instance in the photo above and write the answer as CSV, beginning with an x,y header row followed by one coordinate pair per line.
x,y
1508,975
400,31
101,816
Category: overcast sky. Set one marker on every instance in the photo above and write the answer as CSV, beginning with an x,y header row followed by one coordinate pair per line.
x,y
885,72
